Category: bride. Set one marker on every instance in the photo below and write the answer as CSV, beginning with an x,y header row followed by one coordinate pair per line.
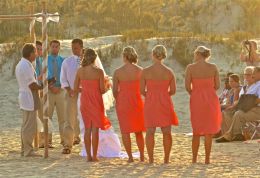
x,y
109,143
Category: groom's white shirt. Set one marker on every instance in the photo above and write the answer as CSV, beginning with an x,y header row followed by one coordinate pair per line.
x,y
68,71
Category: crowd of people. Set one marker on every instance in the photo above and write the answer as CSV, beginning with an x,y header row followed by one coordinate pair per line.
x,y
142,99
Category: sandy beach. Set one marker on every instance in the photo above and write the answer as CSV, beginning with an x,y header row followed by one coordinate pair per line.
x,y
236,159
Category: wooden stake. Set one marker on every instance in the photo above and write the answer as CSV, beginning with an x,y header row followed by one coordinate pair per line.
x,y
45,82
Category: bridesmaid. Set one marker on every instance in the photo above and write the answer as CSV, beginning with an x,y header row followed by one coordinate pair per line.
x,y
129,104
93,85
201,82
158,85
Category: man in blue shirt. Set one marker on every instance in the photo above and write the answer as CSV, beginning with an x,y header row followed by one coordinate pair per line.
x,y
56,94
38,61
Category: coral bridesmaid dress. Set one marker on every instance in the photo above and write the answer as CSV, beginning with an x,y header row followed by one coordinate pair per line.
x,y
129,107
158,107
92,106
205,109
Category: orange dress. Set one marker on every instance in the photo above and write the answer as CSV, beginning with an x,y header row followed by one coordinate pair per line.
x,y
158,106
92,106
204,107
129,107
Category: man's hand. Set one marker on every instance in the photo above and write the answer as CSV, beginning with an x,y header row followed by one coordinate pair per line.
x,y
55,90
40,77
71,93
108,83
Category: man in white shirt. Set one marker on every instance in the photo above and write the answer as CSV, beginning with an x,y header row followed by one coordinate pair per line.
x,y
28,91
241,117
68,73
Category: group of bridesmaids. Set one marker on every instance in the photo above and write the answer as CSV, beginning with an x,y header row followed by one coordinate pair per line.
x,y
156,84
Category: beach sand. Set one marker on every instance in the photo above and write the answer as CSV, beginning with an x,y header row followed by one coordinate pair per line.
x,y
236,159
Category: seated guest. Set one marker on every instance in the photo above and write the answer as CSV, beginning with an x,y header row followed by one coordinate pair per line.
x,y
234,133
225,92
232,99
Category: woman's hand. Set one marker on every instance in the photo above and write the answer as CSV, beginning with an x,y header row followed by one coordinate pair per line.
x,y
107,82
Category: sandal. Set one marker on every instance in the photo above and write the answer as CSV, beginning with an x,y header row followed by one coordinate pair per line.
x,y
66,151
76,141
49,146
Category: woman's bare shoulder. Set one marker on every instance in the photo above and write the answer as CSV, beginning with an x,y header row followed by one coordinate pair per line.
x,y
189,67
147,69
213,65
138,67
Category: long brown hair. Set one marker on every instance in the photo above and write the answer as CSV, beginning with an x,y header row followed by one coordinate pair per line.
x,y
89,57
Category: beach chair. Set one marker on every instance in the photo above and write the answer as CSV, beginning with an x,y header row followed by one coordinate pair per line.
x,y
251,129
256,128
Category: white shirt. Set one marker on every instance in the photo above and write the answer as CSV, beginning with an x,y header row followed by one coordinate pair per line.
x,y
253,89
68,71
25,75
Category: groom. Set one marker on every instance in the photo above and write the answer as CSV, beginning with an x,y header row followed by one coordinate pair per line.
x,y
68,73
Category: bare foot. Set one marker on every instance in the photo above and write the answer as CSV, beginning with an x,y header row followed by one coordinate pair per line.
x,y
142,158
207,161
130,160
194,160
94,159
166,161
89,158
151,161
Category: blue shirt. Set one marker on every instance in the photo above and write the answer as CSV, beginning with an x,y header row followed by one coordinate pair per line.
x,y
38,68
54,71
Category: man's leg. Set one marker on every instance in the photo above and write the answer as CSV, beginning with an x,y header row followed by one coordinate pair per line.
x,y
60,106
28,131
52,103
239,119
235,127
70,111
227,119
76,130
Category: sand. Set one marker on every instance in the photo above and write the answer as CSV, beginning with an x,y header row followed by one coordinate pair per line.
x,y
236,159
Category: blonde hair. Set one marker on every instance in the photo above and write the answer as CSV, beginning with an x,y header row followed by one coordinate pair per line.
x,y
89,57
249,69
130,54
203,51
160,52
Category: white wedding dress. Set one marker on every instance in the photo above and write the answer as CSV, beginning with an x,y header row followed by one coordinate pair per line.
x,y
109,143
